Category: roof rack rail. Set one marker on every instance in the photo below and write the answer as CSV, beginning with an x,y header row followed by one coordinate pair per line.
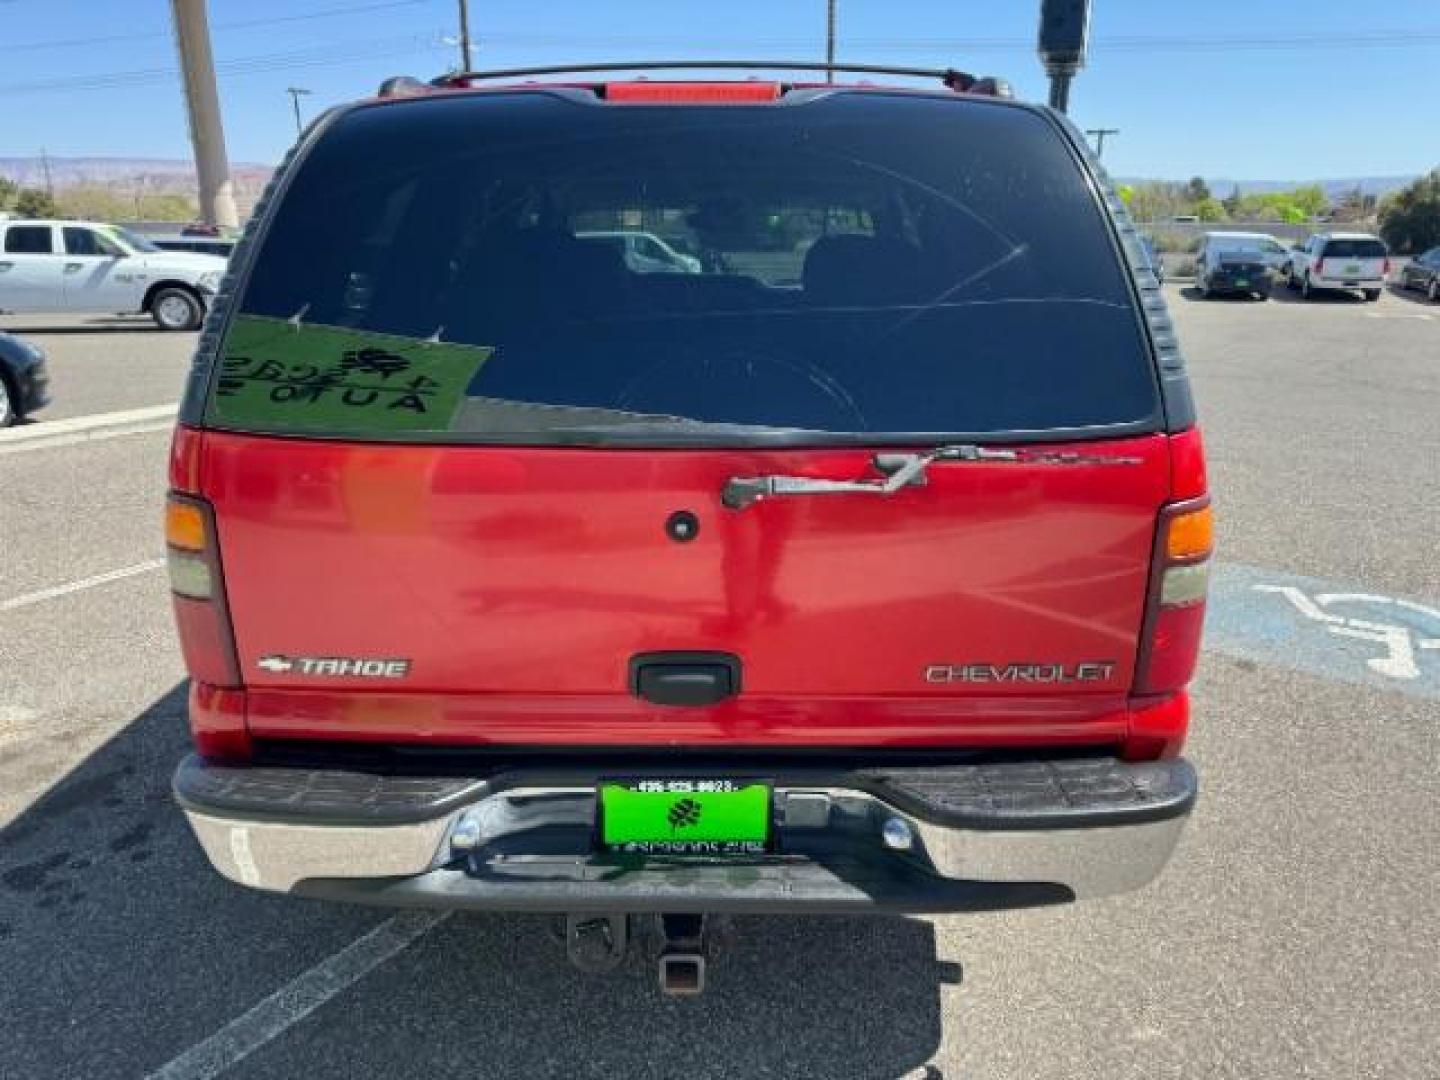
x,y
959,81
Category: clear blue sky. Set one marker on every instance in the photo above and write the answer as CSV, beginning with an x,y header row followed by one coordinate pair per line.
x,y
1203,88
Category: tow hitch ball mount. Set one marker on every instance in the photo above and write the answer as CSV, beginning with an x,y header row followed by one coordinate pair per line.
x,y
681,944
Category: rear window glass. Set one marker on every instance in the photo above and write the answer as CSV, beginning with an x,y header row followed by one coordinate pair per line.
x,y
1354,249
29,240
527,267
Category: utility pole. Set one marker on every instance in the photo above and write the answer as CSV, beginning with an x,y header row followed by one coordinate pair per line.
x,y
467,63
202,102
295,93
45,165
830,41
1099,134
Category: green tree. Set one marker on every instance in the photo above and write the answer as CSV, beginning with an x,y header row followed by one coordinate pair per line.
x,y
1210,209
1197,191
1410,219
8,188
1311,199
34,203
1232,202
1155,201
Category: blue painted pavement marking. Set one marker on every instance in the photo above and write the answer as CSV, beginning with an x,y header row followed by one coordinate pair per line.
x,y
1332,629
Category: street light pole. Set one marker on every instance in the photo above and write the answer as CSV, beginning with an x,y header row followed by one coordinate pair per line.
x,y
466,62
1060,90
830,41
1064,33
1100,134
295,93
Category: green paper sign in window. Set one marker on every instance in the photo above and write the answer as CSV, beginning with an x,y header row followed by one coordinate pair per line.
x,y
277,375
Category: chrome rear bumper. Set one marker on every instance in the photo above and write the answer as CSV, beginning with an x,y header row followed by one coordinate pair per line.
x,y
531,847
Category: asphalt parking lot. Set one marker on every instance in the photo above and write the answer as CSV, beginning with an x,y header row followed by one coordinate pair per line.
x,y
100,365
1296,934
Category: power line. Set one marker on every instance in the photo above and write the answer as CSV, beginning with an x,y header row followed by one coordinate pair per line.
x,y
240,24
311,56
1391,38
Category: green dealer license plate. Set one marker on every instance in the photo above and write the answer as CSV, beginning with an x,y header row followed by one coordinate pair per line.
x,y
685,817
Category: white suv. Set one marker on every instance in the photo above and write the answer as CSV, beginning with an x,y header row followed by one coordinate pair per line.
x,y
86,267
1339,261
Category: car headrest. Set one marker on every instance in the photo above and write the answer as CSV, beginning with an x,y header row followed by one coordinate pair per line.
x,y
850,269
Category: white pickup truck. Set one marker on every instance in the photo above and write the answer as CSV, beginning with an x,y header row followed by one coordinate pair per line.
x,y
1338,261
91,268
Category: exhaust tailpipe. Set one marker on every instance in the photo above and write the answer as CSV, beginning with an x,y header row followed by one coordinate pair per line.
x,y
682,974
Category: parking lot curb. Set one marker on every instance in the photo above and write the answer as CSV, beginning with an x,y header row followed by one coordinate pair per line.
x,y
81,429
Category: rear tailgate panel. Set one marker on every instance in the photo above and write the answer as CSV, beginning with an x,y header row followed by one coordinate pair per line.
x,y
539,573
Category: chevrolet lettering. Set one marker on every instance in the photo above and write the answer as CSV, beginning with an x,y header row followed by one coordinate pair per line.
x,y
1089,671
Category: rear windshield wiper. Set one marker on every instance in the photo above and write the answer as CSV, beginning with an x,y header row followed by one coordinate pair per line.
x,y
897,471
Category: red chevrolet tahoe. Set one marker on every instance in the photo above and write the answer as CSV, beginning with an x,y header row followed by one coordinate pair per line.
x,y
835,540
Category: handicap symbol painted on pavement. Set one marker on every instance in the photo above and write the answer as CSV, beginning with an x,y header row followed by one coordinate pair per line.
x,y
1340,631
1400,641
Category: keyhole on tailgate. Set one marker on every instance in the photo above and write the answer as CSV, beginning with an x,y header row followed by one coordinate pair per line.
x,y
682,526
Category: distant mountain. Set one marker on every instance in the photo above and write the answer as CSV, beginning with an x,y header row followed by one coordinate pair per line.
x,y
1333,187
172,174
157,174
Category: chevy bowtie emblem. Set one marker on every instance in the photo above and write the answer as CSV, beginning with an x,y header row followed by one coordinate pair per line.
x,y
277,664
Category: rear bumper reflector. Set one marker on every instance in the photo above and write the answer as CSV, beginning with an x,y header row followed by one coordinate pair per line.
x,y
217,721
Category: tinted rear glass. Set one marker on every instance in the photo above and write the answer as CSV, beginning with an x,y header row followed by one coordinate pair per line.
x,y
1354,249
530,267
29,240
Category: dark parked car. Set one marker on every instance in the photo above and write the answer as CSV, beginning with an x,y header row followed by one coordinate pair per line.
x,y
24,382
1422,273
1225,264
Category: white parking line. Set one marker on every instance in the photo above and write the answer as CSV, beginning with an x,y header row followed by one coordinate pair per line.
x,y
298,998
82,429
76,586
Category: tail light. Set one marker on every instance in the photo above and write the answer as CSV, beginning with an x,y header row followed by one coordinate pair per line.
x,y
1385,268
1320,266
1175,609
198,589
1170,646
202,617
